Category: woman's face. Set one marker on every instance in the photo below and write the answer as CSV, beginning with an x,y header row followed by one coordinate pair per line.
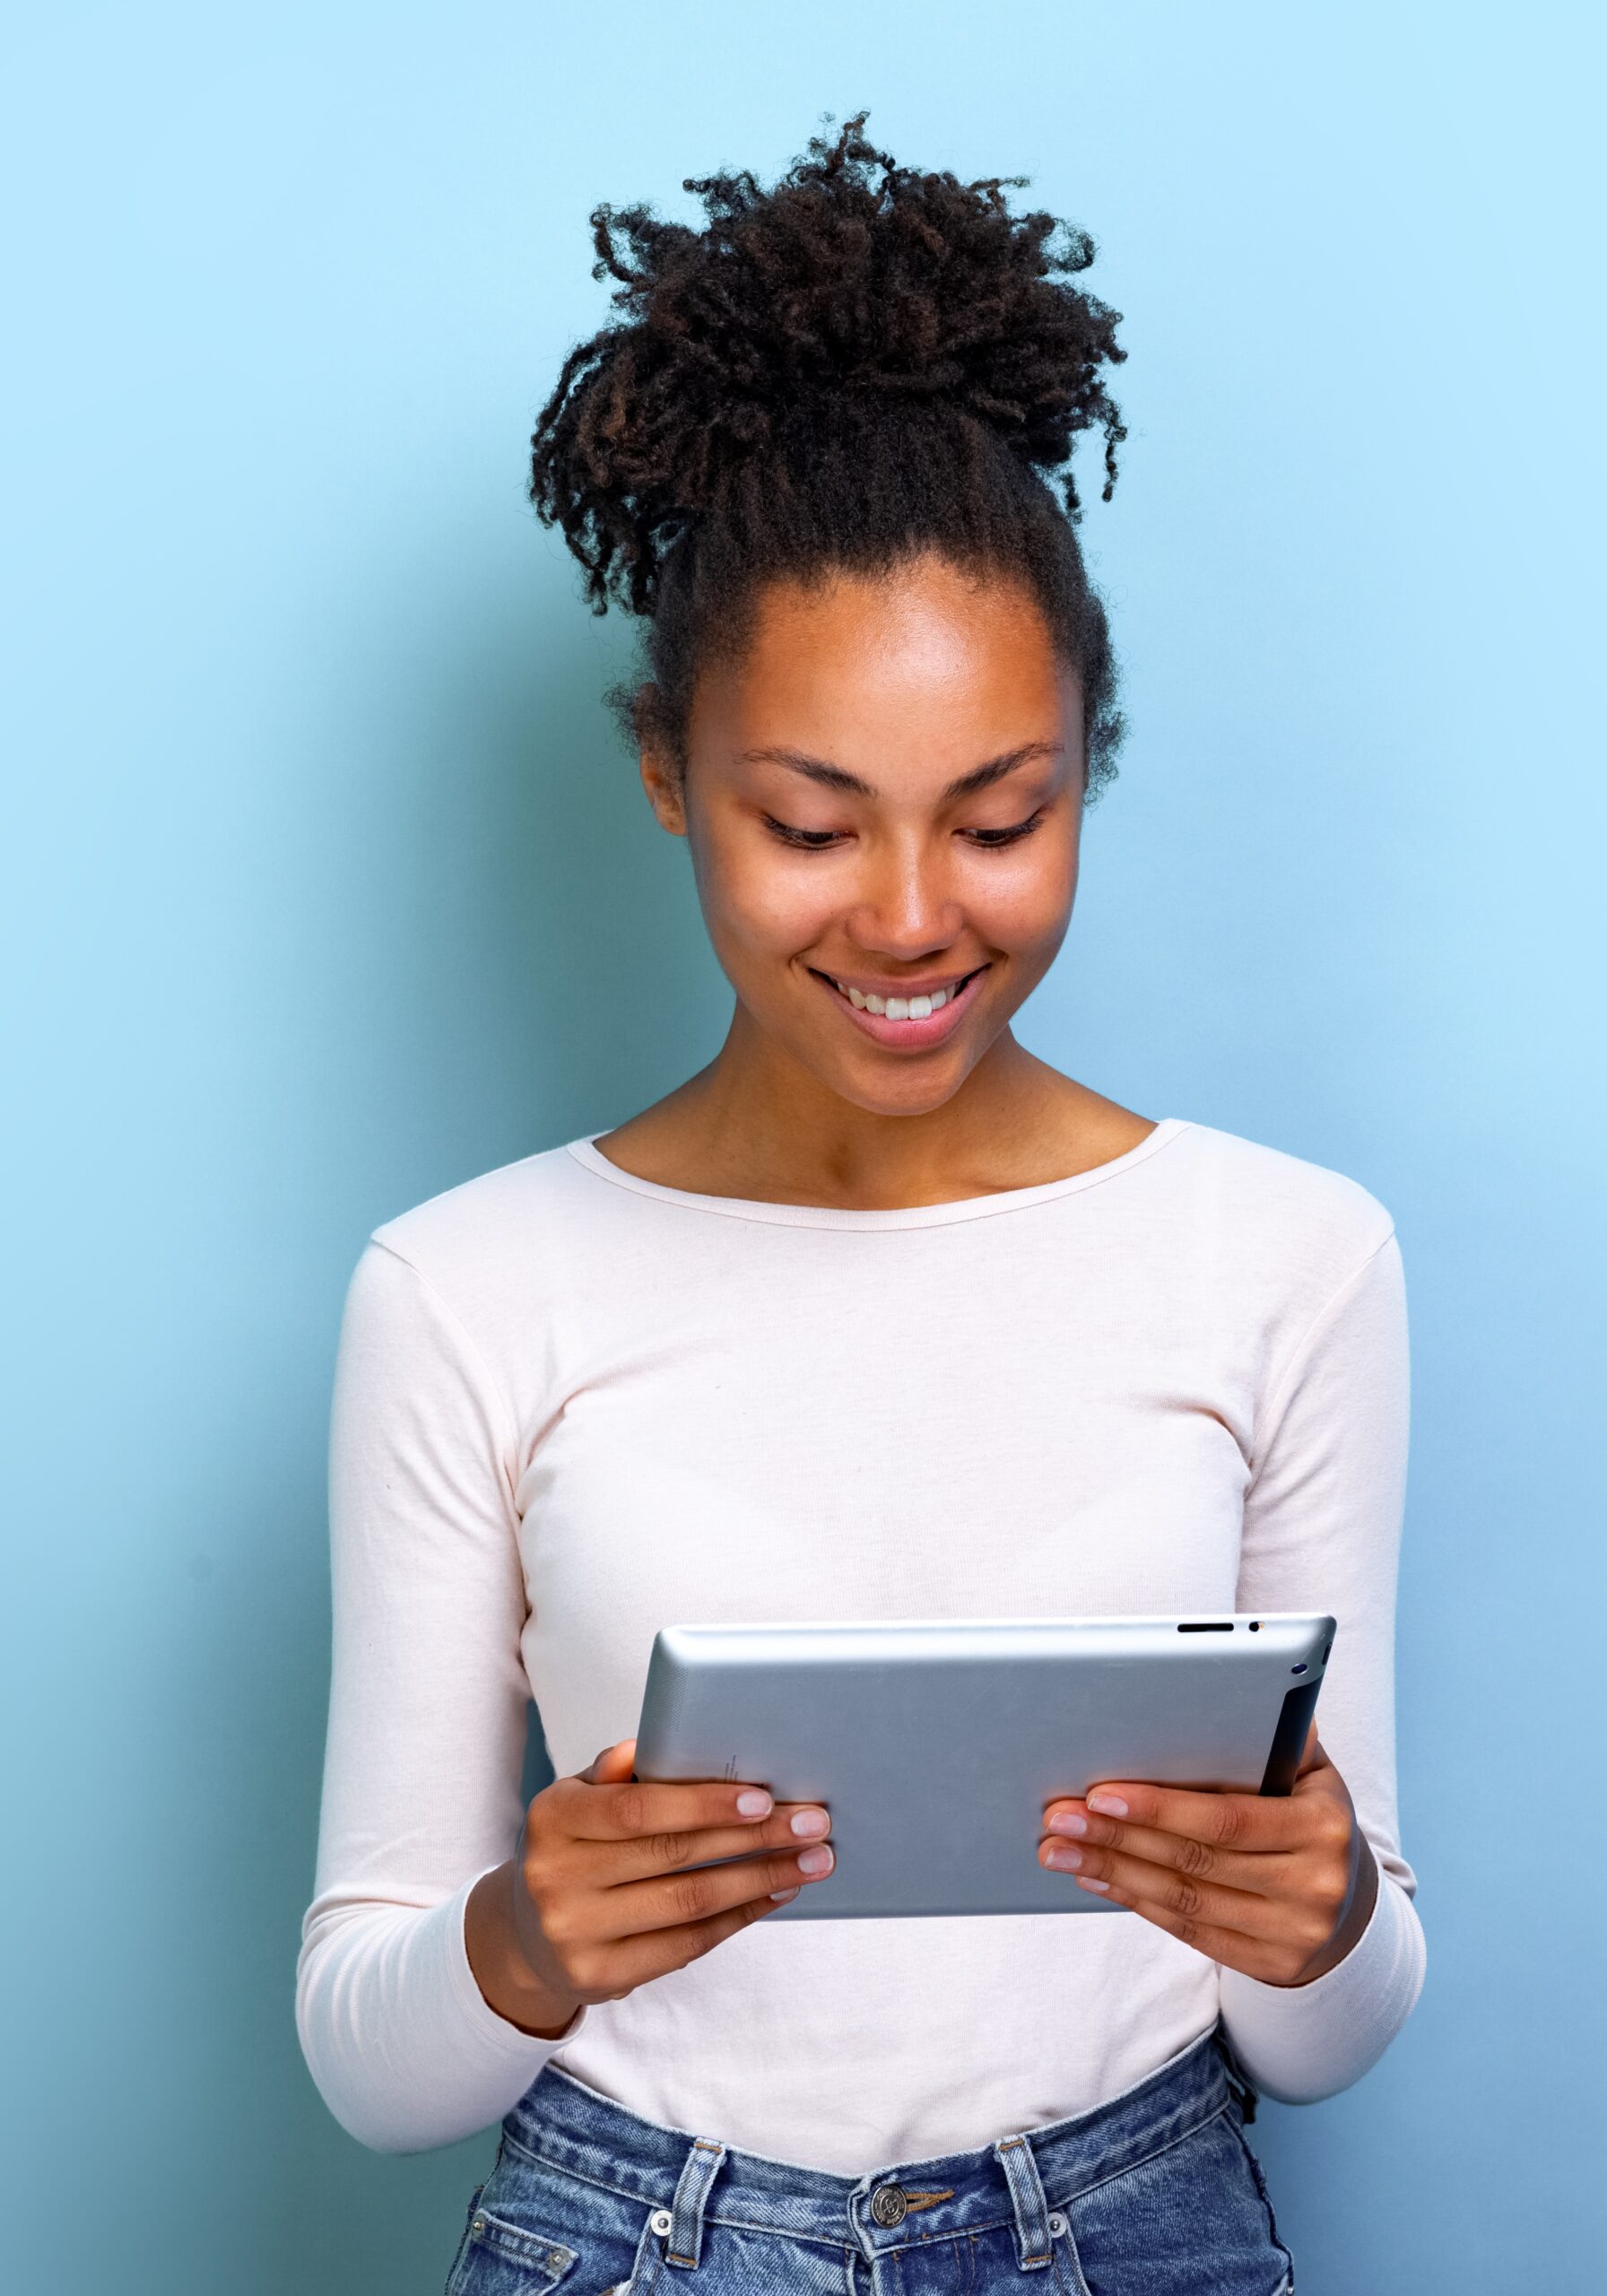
x,y
883,798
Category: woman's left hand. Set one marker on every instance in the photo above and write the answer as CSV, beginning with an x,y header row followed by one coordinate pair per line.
x,y
1279,1889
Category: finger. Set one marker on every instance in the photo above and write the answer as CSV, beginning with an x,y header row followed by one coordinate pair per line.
x,y
1313,1757
613,1765
1097,1849
621,1810
1234,1949
673,1900
637,1960
1162,1889
1251,1822
791,1825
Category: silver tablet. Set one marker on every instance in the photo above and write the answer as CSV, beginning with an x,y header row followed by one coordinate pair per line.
x,y
935,1744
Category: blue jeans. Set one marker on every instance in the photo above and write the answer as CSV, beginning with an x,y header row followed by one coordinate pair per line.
x,y
1154,2194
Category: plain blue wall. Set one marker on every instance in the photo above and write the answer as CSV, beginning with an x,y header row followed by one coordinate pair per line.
x,y
326,886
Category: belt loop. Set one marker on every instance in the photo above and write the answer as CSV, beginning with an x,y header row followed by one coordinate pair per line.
x,y
1034,2244
685,2240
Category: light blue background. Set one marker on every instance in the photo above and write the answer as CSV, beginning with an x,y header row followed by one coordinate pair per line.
x,y
326,886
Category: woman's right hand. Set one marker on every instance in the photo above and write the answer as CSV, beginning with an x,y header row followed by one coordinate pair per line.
x,y
600,1899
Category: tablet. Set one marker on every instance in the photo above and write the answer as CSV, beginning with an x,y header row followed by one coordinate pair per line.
x,y
935,1744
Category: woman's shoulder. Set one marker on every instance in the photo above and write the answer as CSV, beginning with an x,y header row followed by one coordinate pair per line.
x,y
497,1229
1271,1202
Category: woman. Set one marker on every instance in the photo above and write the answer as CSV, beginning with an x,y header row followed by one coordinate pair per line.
x,y
877,1316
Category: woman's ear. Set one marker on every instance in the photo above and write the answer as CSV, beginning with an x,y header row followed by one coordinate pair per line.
x,y
662,780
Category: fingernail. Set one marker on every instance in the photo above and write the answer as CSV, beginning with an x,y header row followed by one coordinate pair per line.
x,y
811,1823
1109,1806
754,1803
816,1861
780,1897
1065,1861
1068,1822
1085,1881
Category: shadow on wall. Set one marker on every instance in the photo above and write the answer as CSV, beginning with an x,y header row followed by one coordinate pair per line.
x,y
589,911
536,970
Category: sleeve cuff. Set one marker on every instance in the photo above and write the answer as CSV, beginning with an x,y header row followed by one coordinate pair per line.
x,y
405,2049
491,2030
1303,2042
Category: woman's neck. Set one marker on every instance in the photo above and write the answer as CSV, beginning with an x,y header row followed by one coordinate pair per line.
x,y
754,1125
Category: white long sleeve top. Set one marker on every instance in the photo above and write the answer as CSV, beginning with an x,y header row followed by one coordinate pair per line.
x,y
572,1407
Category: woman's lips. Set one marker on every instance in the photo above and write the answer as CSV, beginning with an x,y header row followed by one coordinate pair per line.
x,y
908,1036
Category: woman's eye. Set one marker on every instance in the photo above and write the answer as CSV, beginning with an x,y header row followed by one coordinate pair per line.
x,y
991,839
818,840
813,841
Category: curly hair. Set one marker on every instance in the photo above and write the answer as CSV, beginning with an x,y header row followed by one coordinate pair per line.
x,y
859,365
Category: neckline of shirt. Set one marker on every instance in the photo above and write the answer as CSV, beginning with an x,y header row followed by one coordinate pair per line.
x,y
586,1153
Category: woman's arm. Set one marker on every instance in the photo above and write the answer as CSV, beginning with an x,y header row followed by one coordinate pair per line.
x,y
1321,1531
427,1726
1303,1903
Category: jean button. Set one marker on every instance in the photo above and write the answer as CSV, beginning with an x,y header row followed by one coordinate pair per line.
x,y
660,2222
890,2205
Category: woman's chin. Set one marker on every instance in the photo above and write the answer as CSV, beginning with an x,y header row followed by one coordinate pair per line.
x,y
895,1087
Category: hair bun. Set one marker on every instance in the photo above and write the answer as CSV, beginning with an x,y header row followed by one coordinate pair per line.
x,y
852,291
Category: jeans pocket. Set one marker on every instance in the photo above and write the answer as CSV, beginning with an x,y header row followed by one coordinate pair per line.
x,y
1288,2286
497,2258
464,2238
1191,2220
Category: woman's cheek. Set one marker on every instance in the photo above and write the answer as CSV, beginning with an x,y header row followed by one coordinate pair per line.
x,y
763,905
1023,905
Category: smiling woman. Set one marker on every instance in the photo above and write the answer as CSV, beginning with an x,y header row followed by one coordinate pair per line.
x,y
876,1315
884,812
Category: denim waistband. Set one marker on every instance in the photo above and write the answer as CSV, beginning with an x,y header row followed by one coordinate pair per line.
x,y
697,2178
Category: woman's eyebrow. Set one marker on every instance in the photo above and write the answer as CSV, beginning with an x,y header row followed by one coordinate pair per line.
x,y
837,777
814,769
983,776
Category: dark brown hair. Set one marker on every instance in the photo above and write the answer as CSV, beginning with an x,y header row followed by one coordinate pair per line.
x,y
858,365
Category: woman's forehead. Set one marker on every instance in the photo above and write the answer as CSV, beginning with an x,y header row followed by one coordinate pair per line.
x,y
925,657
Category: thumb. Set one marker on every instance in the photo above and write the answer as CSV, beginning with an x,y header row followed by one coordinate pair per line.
x,y
613,1765
1314,1757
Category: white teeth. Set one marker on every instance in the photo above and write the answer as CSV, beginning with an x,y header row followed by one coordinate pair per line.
x,y
896,1008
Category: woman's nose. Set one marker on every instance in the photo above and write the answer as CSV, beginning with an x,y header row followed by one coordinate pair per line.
x,y
905,909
